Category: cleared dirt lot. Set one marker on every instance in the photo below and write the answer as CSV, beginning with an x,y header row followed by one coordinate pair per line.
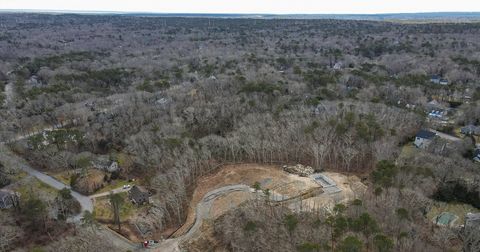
x,y
351,188
269,176
224,203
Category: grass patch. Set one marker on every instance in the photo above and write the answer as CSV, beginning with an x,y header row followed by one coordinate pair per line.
x,y
64,176
457,132
19,176
103,208
408,150
34,186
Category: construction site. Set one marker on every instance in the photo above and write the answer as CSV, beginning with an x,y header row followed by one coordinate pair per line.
x,y
233,185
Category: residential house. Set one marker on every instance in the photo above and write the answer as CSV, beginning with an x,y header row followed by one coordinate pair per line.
x,y
437,114
476,155
435,79
434,104
105,164
139,195
438,80
470,130
338,66
424,138
472,220
8,199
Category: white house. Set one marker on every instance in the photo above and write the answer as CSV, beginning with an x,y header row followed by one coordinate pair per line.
x,y
338,66
438,80
443,82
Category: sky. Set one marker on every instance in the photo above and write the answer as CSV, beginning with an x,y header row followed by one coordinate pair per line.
x,y
249,6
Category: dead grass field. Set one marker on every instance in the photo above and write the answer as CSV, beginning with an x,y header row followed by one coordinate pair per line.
x,y
103,208
64,176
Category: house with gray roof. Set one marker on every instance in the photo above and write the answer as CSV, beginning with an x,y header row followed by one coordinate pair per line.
x,y
139,195
7,199
470,130
476,155
424,138
472,220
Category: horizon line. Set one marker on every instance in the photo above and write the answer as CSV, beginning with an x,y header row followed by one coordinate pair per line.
x,y
43,11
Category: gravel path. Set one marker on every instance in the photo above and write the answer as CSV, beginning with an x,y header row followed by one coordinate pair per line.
x,y
202,213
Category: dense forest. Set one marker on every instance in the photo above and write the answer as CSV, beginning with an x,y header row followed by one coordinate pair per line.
x,y
170,99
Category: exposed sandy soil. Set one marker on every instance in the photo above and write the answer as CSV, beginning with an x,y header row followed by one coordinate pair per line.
x,y
269,176
205,242
128,231
297,189
224,203
351,187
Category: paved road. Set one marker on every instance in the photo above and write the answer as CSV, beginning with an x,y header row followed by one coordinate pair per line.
x,y
85,201
202,210
8,157
446,136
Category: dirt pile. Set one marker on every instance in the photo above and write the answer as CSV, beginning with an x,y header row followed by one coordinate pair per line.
x,y
299,170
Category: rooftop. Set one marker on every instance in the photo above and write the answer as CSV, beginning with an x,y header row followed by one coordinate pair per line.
x,y
425,134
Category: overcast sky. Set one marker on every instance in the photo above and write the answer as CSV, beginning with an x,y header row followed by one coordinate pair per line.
x,y
249,6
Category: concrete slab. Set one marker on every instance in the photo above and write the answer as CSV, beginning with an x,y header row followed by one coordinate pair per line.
x,y
328,185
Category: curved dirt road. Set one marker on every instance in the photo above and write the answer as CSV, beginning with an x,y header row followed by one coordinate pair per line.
x,y
205,205
202,212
